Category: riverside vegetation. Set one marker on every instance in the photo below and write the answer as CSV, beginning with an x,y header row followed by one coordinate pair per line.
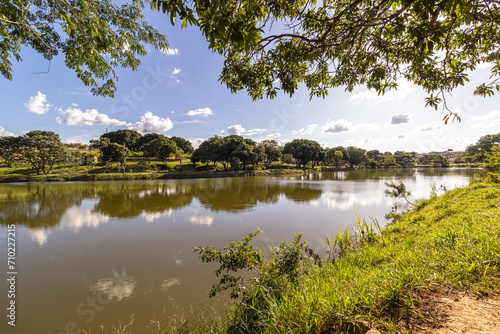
x,y
371,277
126,154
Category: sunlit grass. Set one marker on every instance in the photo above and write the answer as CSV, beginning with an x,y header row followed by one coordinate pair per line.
x,y
377,277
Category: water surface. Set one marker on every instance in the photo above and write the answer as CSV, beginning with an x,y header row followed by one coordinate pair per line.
x,y
92,254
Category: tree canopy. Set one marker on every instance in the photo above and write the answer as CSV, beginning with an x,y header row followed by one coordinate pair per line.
x,y
43,149
126,138
95,36
183,144
114,152
483,147
304,150
161,148
273,46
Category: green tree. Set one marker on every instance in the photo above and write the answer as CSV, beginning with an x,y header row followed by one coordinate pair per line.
x,y
10,150
356,155
272,150
431,43
115,153
95,36
345,154
97,144
243,153
141,142
374,154
184,144
434,160
334,156
232,150
161,148
208,151
405,158
388,161
483,146
493,158
43,149
287,159
126,138
304,150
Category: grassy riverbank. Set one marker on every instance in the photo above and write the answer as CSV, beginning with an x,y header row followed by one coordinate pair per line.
x,y
140,169
386,280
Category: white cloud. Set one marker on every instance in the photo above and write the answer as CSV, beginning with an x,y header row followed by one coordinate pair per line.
x,y
75,116
200,112
342,125
5,133
400,118
81,139
38,104
175,72
151,123
196,142
273,135
305,131
253,132
170,51
193,121
235,129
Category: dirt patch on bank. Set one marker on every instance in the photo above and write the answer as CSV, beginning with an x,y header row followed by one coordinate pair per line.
x,y
460,313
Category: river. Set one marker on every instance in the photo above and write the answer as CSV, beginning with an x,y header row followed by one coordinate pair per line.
x,y
93,255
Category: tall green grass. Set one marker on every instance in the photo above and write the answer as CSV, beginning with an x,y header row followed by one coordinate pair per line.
x,y
380,277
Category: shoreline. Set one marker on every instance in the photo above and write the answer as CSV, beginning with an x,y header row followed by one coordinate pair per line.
x,y
433,268
75,175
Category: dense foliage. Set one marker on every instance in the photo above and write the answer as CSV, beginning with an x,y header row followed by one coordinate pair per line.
x,y
95,37
126,138
43,149
483,147
385,278
273,46
114,152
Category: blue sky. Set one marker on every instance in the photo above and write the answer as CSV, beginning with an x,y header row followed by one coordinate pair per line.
x,y
177,93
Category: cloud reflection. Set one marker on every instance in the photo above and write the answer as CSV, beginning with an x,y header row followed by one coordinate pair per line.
x,y
169,283
75,218
346,201
119,287
152,216
201,220
39,235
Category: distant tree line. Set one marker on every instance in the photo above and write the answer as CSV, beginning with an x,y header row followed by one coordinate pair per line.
x,y
44,149
480,151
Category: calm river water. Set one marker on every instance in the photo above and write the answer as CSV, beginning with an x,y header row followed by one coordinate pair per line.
x,y
91,255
